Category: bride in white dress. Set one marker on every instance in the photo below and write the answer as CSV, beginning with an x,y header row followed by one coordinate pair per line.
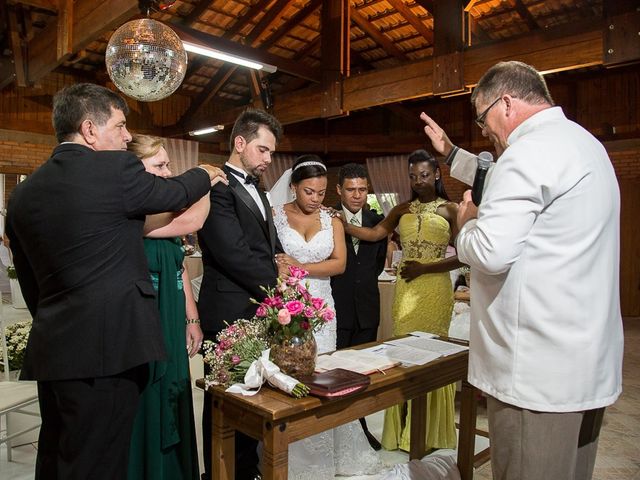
x,y
314,241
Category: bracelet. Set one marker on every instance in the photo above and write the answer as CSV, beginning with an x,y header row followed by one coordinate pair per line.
x,y
189,321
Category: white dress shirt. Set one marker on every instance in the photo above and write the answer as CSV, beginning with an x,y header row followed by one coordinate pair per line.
x,y
249,187
546,330
348,215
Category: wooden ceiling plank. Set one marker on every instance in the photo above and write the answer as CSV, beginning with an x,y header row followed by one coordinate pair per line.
x,y
47,5
92,18
194,14
448,27
247,18
266,21
427,5
525,14
413,19
375,34
291,67
17,48
296,19
64,42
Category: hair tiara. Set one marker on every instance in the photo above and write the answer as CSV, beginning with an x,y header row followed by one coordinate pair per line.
x,y
305,164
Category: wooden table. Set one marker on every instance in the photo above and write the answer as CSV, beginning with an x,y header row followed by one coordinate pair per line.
x,y
277,419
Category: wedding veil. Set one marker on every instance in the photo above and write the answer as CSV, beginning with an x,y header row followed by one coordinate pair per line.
x,y
281,192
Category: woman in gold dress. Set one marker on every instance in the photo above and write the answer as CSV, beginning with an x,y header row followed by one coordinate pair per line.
x,y
424,294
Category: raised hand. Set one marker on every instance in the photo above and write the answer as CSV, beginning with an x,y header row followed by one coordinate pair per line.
x,y
439,139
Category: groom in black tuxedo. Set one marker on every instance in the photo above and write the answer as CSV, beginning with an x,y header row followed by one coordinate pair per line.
x,y
75,230
239,243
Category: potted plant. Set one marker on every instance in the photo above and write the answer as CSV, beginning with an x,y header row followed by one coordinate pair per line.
x,y
16,294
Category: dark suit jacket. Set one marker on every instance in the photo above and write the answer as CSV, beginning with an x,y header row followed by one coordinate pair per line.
x,y
238,248
355,292
75,230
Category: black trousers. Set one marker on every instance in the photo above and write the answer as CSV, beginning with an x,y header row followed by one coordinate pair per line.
x,y
86,426
246,462
350,337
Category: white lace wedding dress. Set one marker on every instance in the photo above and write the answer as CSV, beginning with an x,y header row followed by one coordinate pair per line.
x,y
343,450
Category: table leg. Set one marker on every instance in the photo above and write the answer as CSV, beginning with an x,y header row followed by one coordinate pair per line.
x,y
418,427
222,444
275,458
466,439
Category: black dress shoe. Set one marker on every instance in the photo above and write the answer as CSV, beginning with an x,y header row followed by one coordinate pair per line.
x,y
373,441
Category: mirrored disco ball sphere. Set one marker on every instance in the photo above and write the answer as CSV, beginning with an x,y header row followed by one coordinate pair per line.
x,y
146,60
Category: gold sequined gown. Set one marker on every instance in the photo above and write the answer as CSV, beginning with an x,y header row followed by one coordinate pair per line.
x,y
423,304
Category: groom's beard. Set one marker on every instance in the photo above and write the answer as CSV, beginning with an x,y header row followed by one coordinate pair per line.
x,y
245,164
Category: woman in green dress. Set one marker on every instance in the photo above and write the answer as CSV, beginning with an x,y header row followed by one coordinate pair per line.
x,y
163,442
424,294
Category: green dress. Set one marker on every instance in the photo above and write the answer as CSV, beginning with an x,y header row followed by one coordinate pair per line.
x,y
163,442
423,304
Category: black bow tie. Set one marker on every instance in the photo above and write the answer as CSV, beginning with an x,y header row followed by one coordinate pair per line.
x,y
248,179
251,180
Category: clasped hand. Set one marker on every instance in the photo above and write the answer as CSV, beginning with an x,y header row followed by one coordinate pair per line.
x,y
283,261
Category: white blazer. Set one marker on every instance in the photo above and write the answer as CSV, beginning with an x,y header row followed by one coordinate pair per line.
x,y
546,330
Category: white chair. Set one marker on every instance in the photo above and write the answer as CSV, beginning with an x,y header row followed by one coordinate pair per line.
x,y
14,396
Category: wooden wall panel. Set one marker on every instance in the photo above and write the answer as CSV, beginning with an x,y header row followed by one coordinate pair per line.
x,y
630,248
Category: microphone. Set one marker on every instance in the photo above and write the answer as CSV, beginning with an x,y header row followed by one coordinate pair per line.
x,y
484,162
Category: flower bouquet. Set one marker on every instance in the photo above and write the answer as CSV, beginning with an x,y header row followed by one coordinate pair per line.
x,y
240,361
17,336
292,315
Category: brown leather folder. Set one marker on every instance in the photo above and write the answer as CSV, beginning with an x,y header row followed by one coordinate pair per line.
x,y
336,383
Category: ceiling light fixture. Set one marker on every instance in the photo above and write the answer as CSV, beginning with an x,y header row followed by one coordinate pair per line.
x,y
204,131
227,57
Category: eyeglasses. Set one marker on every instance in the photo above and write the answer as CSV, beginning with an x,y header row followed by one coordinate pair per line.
x,y
480,118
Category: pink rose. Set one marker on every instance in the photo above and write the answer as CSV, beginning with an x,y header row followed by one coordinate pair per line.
x,y
273,302
328,314
261,312
304,325
224,344
284,317
294,307
302,290
235,359
292,281
317,303
297,272
309,312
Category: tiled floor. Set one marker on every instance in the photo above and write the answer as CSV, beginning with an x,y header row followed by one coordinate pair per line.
x,y
618,455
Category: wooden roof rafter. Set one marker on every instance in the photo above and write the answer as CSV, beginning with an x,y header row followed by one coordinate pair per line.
x,y
376,35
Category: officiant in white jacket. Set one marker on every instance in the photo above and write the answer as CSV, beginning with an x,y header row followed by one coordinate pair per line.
x,y
546,331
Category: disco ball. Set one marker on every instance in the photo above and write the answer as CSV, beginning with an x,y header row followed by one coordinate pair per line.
x,y
146,60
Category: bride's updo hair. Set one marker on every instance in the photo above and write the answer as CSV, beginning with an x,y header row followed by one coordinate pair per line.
x,y
307,166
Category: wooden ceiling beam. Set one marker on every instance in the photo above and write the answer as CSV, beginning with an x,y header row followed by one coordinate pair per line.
x,y
548,51
270,16
64,43
525,14
335,49
296,19
194,14
376,35
17,47
47,5
241,22
426,4
413,19
91,19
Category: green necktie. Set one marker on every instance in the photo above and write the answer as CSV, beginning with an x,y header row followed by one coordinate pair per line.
x,y
354,240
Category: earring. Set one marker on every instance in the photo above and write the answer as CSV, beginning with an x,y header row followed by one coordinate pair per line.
x,y
293,193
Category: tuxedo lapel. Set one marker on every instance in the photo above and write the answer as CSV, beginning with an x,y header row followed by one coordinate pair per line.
x,y
241,192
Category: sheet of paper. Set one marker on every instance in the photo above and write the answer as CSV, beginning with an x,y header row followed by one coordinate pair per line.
x,y
404,354
428,344
423,334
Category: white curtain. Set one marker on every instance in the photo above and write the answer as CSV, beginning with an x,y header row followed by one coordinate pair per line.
x,y
182,153
279,163
390,180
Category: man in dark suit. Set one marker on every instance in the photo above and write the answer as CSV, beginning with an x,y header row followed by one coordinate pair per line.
x,y
75,230
239,243
355,292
